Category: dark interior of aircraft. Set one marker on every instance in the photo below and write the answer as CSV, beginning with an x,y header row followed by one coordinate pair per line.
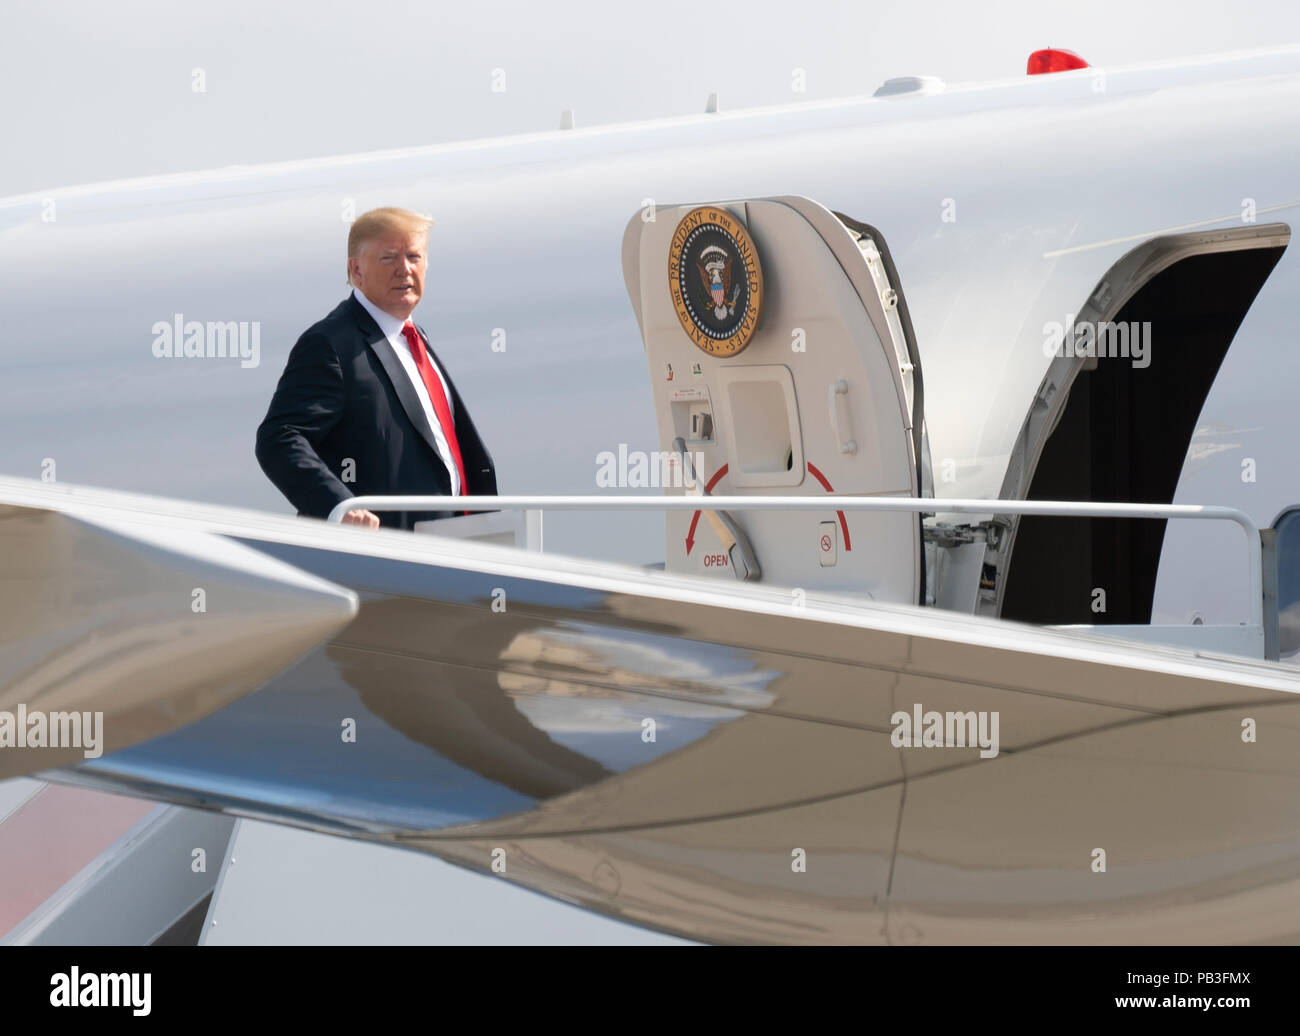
x,y
1124,436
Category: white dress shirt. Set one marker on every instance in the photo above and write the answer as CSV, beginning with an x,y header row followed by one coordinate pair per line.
x,y
392,329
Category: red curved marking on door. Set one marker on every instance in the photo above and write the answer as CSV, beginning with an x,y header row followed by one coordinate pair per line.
x,y
844,525
695,518
690,535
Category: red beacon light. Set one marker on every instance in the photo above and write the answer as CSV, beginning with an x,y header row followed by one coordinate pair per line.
x,y
1053,59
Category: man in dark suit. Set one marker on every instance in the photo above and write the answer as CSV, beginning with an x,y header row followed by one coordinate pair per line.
x,y
364,407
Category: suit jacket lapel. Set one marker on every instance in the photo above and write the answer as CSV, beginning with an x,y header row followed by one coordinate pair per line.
x,y
379,345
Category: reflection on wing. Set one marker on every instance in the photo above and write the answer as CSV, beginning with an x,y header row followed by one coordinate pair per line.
x,y
144,628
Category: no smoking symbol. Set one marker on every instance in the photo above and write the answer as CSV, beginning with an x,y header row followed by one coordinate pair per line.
x,y
826,544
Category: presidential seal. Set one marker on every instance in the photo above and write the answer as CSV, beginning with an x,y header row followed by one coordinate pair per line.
x,y
715,280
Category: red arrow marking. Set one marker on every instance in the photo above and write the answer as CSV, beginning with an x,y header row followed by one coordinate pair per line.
x,y
695,518
844,525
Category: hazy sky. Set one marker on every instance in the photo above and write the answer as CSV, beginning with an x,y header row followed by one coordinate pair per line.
x,y
98,91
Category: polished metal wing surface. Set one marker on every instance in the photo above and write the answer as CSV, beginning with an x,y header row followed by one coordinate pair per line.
x,y
726,764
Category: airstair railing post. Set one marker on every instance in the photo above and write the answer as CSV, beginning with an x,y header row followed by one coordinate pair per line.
x,y
1268,564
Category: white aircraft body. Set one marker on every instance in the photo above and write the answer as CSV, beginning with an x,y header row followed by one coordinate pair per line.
x,y
901,716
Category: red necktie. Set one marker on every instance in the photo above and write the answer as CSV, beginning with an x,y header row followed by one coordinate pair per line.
x,y
437,397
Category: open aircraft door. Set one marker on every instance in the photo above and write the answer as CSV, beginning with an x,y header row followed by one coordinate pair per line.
x,y
783,362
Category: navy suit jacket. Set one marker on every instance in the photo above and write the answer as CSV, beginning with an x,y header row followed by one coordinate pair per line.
x,y
344,396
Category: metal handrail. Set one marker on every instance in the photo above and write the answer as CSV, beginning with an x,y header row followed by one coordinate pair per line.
x,y
924,505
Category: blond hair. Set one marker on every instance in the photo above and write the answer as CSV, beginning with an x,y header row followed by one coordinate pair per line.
x,y
376,222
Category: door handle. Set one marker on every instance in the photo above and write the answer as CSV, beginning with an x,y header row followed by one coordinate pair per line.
x,y
841,422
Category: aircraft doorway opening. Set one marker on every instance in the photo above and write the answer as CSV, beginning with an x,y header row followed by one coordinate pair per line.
x,y
1124,431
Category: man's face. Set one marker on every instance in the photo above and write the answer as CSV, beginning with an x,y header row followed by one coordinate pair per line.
x,y
390,271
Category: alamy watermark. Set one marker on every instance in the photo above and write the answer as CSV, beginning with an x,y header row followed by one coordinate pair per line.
x,y
637,469
1103,339
212,339
102,989
26,728
920,729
